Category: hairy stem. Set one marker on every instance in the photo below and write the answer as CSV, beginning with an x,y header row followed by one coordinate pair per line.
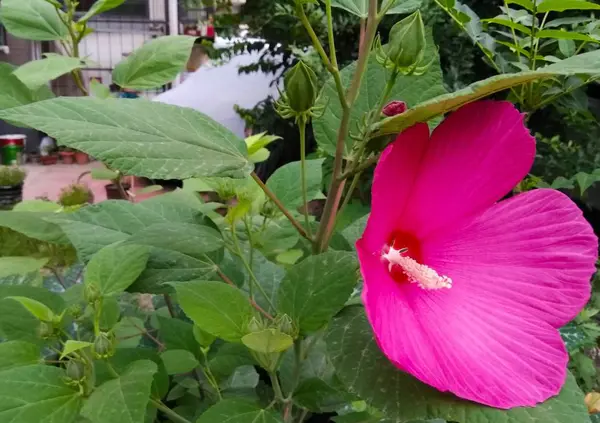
x,y
280,206
168,412
302,131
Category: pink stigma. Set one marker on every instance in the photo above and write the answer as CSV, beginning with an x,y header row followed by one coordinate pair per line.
x,y
418,273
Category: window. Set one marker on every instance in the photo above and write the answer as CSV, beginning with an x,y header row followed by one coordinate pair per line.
x,y
132,8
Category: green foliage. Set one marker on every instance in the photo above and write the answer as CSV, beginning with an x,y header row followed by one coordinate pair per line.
x,y
11,175
37,73
33,20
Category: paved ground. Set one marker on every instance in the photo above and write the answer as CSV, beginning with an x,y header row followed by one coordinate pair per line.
x,y
47,181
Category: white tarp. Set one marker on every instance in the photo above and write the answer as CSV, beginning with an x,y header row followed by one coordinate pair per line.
x,y
215,89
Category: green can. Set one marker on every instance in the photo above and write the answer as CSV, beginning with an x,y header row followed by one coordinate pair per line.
x,y
11,149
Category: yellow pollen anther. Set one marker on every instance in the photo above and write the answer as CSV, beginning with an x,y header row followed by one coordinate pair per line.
x,y
418,273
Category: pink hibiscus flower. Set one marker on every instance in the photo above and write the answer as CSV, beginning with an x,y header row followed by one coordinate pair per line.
x,y
463,292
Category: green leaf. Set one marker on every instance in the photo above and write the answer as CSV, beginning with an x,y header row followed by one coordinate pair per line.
x,y
410,89
104,174
34,225
586,63
16,323
506,22
100,6
567,47
358,8
180,252
143,138
177,334
562,5
179,361
365,371
71,346
286,183
32,20
562,183
20,265
317,396
37,394
36,73
268,341
216,307
289,256
13,92
559,34
154,64
124,399
18,354
37,206
31,279
236,410
315,365
227,358
314,290
527,4
574,337
36,308
115,267
401,7
244,377
586,180
129,331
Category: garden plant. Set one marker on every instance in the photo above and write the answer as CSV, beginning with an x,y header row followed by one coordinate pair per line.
x,y
464,295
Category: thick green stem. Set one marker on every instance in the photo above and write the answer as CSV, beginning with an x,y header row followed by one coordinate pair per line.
x,y
332,52
168,412
336,188
348,197
302,131
280,206
276,387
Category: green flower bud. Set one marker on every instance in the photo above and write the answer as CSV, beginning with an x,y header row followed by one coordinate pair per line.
x,y
255,325
300,87
45,330
284,324
91,293
407,43
75,311
75,370
103,346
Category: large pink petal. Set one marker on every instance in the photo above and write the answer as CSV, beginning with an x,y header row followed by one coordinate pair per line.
x,y
393,180
490,355
534,252
474,158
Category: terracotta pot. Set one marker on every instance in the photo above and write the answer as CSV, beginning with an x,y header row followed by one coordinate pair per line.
x,y
10,195
82,158
49,160
67,157
113,193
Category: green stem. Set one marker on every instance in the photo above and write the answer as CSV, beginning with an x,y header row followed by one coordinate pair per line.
x,y
280,206
168,412
336,188
252,302
210,377
348,197
302,131
253,278
169,303
332,52
97,315
276,387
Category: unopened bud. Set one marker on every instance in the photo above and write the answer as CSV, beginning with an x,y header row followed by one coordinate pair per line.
x,y
75,370
407,43
103,346
394,108
255,325
45,330
91,293
285,325
300,87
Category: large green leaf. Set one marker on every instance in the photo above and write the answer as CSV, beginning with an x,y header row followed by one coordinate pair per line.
x,y
123,399
16,323
287,184
93,227
236,410
585,64
562,5
363,368
358,8
142,138
180,252
177,334
37,394
227,358
18,354
100,6
216,307
315,289
13,92
410,89
115,267
354,231
34,225
32,20
401,6
36,73
179,361
154,64
20,265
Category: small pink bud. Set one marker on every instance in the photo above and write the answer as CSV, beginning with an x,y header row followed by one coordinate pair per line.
x,y
394,108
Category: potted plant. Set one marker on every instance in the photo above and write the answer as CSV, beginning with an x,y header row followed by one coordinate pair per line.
x,y
81,157
11,186
75,196
67,155
48,155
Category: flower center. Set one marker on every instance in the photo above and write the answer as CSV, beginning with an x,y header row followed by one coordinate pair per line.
x,y
403,255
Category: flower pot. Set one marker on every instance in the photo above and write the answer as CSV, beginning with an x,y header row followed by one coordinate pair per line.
x,y
49,160
67,157
12,147
10,195
113,193
82,158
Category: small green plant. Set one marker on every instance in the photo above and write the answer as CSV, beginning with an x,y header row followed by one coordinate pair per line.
x,y
75,195
11,175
